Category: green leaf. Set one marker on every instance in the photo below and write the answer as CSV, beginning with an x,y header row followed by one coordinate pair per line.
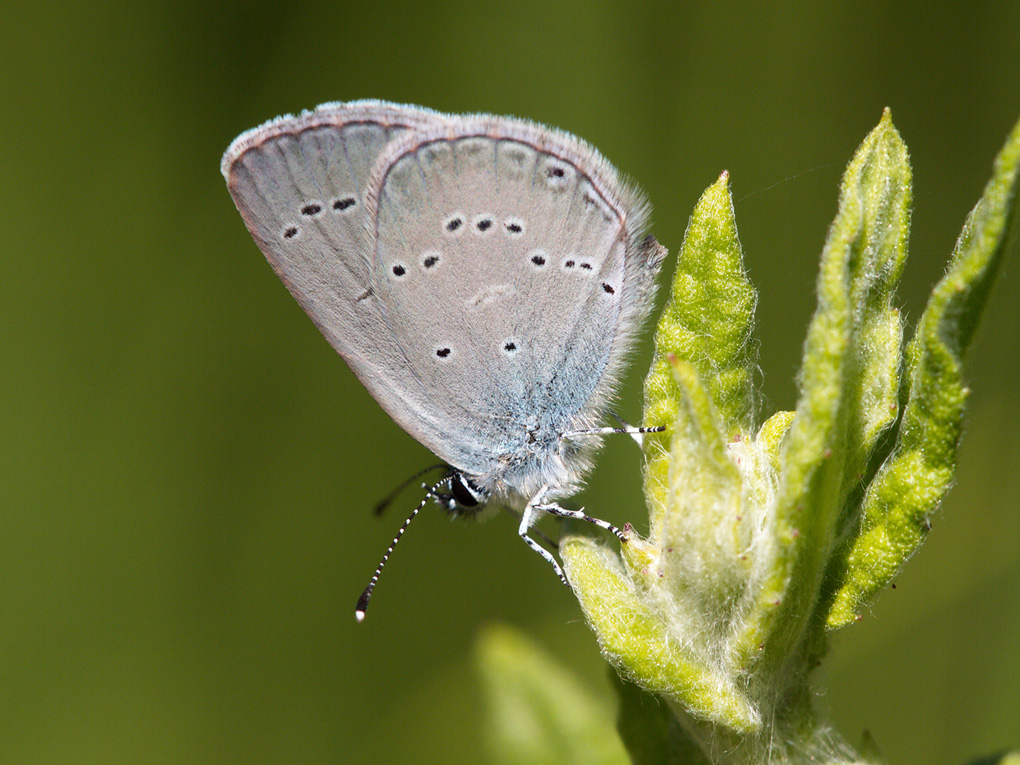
x,y
538,711
848,383
638,640
707,321
704,535
873,376
759,542
912,483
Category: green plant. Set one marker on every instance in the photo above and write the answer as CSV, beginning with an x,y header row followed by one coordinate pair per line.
x,y
762,540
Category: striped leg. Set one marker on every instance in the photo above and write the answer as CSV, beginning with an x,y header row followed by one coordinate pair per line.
x,y
580,515
531,514
528,519
630,430
609,431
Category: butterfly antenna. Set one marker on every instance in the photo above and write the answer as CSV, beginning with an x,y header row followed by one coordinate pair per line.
x,y
359,613
386,501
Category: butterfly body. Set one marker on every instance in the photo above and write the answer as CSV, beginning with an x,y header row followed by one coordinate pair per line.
x,y
484,277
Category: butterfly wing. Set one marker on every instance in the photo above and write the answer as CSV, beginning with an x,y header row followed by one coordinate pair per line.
x,y
509,263
300,186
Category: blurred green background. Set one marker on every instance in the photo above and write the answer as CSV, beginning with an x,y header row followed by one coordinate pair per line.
x,y
188,470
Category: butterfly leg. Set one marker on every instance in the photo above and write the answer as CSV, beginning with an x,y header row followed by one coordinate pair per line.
x,y
531,515
528,519
580,515
634,432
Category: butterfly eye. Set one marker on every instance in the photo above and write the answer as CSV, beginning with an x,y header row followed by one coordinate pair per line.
x,y
464,490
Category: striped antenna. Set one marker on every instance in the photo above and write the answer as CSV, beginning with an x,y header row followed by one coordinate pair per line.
x,y
383,503
359,613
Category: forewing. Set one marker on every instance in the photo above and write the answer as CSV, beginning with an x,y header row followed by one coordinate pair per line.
x,y
508,260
